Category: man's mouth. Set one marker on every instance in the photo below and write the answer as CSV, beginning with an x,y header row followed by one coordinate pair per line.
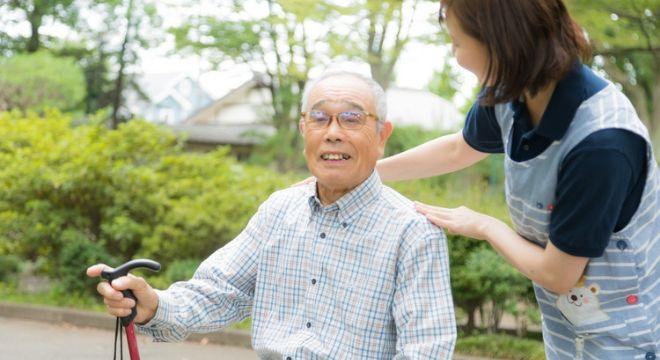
x,y
335,156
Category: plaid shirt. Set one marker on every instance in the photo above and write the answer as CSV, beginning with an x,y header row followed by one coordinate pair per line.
x,y
366,277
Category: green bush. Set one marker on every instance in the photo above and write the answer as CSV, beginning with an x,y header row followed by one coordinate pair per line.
x,y
480,278
9,266
178,270
76,255
131,191
406,137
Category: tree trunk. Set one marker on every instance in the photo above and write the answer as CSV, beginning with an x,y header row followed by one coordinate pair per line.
x,y
119,83
35,18
471,323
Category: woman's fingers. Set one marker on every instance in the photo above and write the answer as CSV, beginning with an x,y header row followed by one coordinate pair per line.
x,y
309,180
424,208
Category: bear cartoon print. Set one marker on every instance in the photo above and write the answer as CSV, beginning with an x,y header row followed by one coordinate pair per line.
x,y
581,306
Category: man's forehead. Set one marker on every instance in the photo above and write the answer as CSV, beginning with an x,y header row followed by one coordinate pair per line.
x,y
346,89
350,103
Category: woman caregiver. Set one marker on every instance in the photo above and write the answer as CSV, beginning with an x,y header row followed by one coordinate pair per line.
x,y
582,185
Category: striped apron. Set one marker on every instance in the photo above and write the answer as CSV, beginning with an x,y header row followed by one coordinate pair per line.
x,y
613,311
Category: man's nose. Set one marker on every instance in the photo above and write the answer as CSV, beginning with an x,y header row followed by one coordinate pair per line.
x,y
334,131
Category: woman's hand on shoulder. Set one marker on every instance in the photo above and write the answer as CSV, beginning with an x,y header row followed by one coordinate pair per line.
x,y
309,180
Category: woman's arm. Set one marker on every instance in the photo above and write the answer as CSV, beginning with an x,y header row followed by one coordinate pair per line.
x,y
551,268
443,155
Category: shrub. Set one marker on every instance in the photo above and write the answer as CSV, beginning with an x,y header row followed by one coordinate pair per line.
x,y
132,192
9,266
78,252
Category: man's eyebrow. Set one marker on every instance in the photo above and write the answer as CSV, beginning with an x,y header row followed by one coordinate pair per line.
x,y
354,105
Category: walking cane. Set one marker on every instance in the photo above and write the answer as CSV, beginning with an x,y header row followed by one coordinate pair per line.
x,y
127,321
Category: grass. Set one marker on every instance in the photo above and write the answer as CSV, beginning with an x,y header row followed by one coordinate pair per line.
x,y
500,346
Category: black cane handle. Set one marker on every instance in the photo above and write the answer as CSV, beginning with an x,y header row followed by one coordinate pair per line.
x,y
123,270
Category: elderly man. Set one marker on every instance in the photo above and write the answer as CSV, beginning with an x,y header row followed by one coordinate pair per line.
x,y
340,268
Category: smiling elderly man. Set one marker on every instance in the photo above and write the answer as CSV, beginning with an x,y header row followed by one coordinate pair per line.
x,y
340,268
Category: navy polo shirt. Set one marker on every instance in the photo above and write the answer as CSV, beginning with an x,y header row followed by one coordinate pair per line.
x,y
601,180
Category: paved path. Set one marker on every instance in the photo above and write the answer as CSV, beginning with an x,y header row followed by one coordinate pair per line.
x,y
30,340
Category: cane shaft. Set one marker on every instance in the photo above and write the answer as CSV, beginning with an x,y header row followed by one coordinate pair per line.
x,y
132,342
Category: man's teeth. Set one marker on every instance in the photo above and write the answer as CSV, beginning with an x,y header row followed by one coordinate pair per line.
x,y
335,157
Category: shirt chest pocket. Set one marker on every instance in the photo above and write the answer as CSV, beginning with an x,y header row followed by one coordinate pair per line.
x,y
365,302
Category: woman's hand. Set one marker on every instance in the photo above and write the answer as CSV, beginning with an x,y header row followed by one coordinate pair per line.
x,y
309,180
550,267
461,220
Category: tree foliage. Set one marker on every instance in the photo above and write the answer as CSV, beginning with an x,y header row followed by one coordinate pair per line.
x,y
626,39
39,80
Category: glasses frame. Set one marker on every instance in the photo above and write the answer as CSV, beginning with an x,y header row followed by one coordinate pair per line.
x,y
335,116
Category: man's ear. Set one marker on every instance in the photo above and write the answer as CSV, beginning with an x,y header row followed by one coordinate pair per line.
x,y
301,125
385,132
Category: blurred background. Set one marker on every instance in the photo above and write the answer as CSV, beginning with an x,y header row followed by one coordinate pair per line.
x,y
143,128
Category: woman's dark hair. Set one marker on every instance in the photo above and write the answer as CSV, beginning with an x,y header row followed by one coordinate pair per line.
x,y
530,43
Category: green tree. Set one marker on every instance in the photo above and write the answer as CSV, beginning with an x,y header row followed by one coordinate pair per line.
x,y
282,40
138,21
95,64
378,33
626,40
446,82
36,11
39,80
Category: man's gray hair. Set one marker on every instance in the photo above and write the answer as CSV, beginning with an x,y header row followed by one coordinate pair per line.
x,y
376,90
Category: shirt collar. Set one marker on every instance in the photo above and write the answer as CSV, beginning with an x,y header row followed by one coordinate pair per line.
x,y
351,204
567,97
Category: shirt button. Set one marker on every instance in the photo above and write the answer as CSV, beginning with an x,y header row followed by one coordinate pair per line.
x,y
322,235
621,244
344,224
313,281
288,358
526,147
650,356
632,299
309,325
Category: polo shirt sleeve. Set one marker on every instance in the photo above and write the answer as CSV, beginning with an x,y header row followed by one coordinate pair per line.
x,y
594,185
482,131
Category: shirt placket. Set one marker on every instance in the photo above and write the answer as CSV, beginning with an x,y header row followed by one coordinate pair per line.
x,y
322,230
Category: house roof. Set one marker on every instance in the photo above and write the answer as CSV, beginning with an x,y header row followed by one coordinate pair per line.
x,y
224,134
159,86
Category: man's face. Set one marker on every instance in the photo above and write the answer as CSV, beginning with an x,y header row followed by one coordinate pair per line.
x,y
341,159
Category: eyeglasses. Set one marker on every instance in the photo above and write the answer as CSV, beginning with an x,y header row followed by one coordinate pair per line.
x,y
348,120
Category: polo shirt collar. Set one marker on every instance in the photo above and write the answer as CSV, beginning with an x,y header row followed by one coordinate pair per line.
x,y
567,97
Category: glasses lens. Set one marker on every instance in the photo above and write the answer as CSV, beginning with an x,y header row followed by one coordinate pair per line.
x,y
351,119
318,119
